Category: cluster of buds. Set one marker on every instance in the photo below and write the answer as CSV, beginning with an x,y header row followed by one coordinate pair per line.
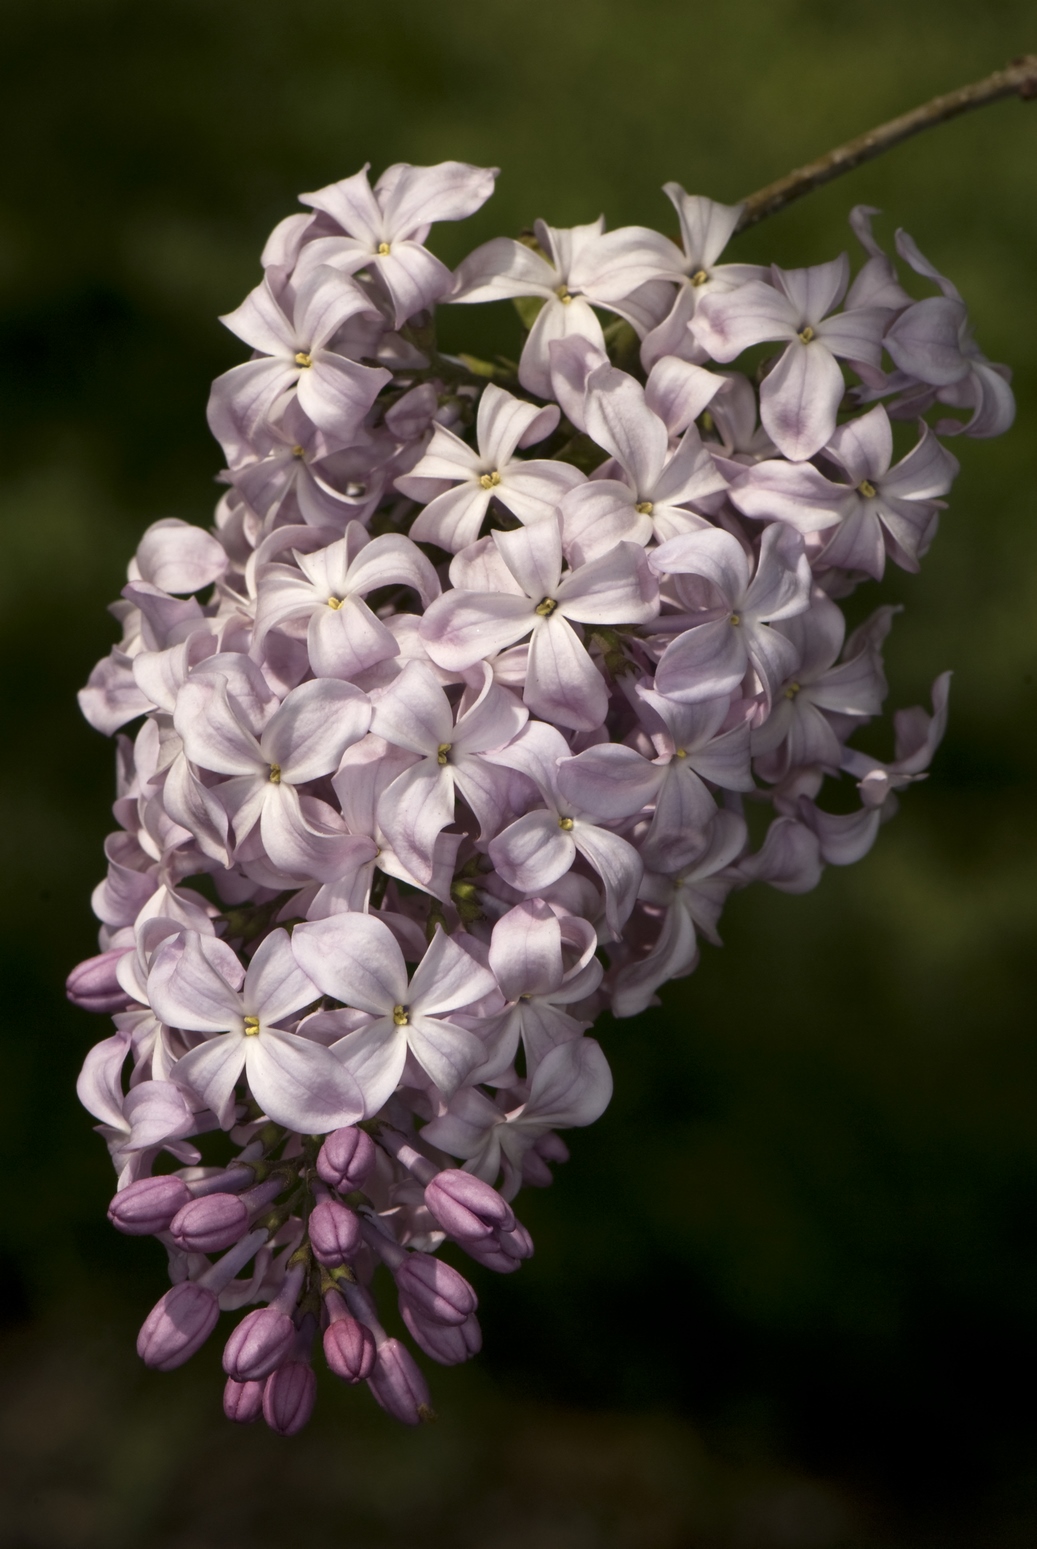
x,y
441,750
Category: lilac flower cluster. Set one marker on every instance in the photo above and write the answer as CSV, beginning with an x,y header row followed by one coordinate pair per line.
x,y
442,748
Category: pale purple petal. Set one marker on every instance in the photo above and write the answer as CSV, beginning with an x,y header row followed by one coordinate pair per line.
x,y
355,958
799,399
275,985
533,852
562,683
307,736
447,978
212,1071
300,1084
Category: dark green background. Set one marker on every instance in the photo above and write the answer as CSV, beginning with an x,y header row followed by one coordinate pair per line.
x,y
786,1291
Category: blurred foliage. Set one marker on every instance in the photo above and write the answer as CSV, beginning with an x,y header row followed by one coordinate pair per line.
x,y
807,1220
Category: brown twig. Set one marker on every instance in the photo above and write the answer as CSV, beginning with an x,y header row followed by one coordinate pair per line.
x,y
1018,80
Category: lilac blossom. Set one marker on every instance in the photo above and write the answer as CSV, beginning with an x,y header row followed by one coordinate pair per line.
x,y
706,228
655,495
295,356
571,272
327,588
529,489
894,510
533,597
414,714
712,657
296,1081
406,807
801,394
384,229
358,960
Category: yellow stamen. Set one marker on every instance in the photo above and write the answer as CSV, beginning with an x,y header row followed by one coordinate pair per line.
x,y
251,1026
298,451
699,277
735,619
443,753
399,1016
546,608
644,507
680,753
563,295
867,489
565,823
275,774
335,603
806,335
792,690
302,359
490,480
383,250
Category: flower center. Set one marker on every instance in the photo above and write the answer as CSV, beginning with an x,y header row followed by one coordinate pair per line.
x,y
275,774
546,608
792,690
443,753
679,753
490,480
644,507
400,1016
735,619
565,823
806,335
699,277
302,359
251,1026
562,292
335,603
383,250
867,489
299,452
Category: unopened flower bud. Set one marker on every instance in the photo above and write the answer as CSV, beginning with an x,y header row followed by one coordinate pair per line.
x,y
449,1345
334,1233
289,1396
504,1251
179,1324
346,1158
434,1289
210,1224
148,1205
349,1348
259,1343
92,984
242,1401
465,1207
398,1385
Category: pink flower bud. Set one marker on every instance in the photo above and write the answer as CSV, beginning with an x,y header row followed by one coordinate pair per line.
x,y
288,1397
242,1401
504,1251
92,984
517,1243
210,1224
148,1205
434,1289
345,1159
349,1349
398,1385
259,1343
445,1344
179,1324
334,1233
465,1207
